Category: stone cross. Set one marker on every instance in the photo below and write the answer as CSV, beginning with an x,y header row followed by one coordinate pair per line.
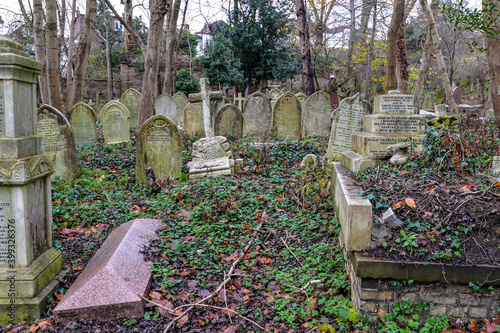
x,y
206,96
238,101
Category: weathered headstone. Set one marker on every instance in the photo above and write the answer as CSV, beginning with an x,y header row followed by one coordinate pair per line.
x,y
205,97
131,98
439,96
83,122
165,105
317,115
257,116
181,100
302,100
229,121
238,101
58,141
457,94
495,165
334,101
274,94
347,119
428,102
115,123
28,261
110,283
192,120
287,117
440,110
159,146
98,107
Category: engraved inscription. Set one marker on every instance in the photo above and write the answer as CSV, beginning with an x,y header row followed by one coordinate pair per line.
x,y
257,116
495,164
287,118
84,127
158,135
396,104
350,120
2,111
397,124
5,215
115,125
53,140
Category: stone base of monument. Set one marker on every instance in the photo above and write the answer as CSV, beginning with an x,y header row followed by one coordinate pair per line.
x,y
375,145
213,167
31,286
354,162
372,279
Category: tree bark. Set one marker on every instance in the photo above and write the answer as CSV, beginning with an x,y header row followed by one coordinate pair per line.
x,y
424,65
172,17
127,16
69,62
305,49
402,67
493,58
25,15
52,56
392,38
129,29
352,36
366,8
62,29
38,15
82,55
152,59
174,68
370,54
439,57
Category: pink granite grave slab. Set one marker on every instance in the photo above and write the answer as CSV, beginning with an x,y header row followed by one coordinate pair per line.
x,y
109,284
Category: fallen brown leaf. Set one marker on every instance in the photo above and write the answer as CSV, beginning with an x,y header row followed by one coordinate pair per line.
x,y
410,203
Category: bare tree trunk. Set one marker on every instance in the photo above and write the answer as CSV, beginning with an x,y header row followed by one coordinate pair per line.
x,y
82,55
52,55
366,8
402,67
174,68
452,58
25,15
493,57
392,38
108,66
352,36
370,54
129,29
172,17
127,15
424,65
305,49
69,63
38,15
439,57
62,29
152,59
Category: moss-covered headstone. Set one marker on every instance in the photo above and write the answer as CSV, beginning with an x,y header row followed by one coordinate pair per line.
x,y
115,123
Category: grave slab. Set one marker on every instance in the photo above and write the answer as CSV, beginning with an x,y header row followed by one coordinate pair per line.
x,y
109,285
213,167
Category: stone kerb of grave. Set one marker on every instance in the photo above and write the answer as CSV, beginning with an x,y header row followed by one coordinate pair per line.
x,y
83,123
110,283
385,128
317,115
257,116
159,146
58,141
115,123
229,121
212,157
181,100
131,98
347,119
28,261
287,121
165,105
192,120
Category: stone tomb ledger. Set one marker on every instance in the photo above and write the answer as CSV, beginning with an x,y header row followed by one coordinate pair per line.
x,y
392,122
29,263
159,146
58,141
115,125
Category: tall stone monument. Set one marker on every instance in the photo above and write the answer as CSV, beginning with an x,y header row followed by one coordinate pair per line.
x,y
205,97
28,261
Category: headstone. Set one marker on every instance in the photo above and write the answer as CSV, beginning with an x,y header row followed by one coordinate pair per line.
x,y
211,157
440,110
239,100
98,107
457,94
439,96
83,122
302,100
287,117
495,165
347,119
229,121
392,129
274,94
109,285
192,120
29,263
205,97
131,98
257,116
115,123
159,146
58,141
165,105
317,115
334,101
428,102
181,100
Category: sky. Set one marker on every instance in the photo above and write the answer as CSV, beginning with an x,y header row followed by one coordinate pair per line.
x,y
198,12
